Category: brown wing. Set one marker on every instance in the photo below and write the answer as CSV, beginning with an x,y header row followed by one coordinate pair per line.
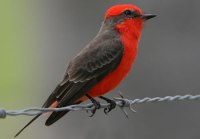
x,y
90,66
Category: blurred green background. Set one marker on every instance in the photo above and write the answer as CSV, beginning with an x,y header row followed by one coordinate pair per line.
x,y
16,71
39,37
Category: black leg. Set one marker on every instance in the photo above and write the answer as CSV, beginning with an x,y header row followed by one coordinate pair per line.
x,y
111,106
97,105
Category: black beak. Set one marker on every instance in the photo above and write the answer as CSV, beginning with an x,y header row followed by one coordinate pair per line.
x,y
147,16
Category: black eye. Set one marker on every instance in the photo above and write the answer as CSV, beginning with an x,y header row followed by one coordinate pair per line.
x,y
128,12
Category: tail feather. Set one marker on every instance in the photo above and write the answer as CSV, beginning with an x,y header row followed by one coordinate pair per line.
x,y
27,124
55,116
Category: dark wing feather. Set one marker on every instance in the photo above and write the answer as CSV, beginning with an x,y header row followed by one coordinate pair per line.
x,y
91,65
94,61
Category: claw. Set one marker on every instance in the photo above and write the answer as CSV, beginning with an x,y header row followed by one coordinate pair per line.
x,y
106,111
111,106
92,112
96,106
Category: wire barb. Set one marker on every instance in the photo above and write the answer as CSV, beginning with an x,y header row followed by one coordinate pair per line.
x,y
120,102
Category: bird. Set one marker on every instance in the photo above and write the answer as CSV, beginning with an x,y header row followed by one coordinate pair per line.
x,y
102,64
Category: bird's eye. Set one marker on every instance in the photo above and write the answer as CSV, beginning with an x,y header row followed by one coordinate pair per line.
x,y
128,12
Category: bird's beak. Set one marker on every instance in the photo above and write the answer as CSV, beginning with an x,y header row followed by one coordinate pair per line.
x,y
147,16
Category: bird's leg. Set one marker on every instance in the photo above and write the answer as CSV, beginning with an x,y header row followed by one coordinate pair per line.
x,y
96,104
111,106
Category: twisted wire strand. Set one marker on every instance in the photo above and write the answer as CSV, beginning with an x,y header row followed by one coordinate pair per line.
x,y
120,102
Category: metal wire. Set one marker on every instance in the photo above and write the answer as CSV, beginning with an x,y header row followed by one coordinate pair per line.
x,y
120,102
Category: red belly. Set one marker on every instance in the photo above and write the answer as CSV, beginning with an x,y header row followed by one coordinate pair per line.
x,y
114,78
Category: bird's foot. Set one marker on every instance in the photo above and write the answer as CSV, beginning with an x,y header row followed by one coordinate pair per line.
x,y
111,106
96,105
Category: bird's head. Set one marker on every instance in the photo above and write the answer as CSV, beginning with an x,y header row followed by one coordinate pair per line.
x,y
128,19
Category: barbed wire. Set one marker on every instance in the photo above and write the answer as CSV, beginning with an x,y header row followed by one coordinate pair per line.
x,y
120,102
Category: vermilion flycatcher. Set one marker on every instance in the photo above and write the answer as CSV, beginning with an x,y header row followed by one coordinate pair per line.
x,y
102,64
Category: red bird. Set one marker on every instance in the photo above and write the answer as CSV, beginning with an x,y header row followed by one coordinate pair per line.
x,y
102,64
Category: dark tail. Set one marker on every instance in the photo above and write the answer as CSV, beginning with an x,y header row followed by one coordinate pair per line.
x,y
55,116
27,124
